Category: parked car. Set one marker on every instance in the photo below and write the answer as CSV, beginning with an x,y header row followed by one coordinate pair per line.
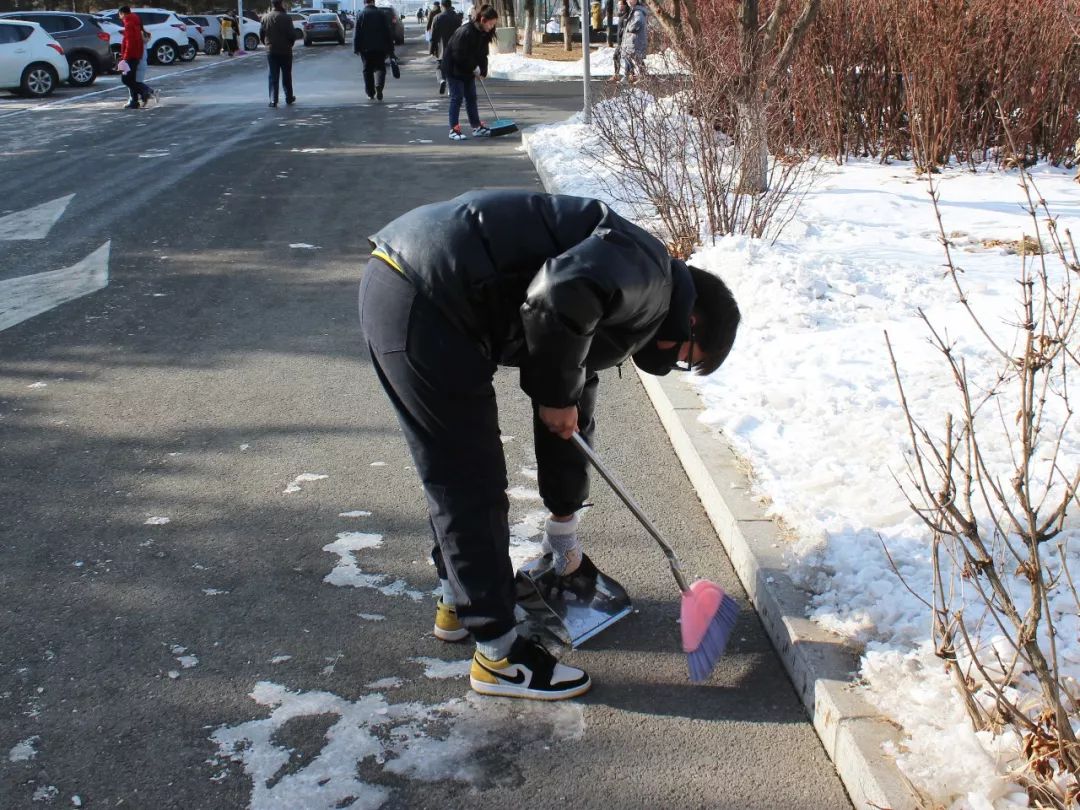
x,y
116,37
325,27
196,40
298,21
85,44
211,31
31,61
249,33
396,24
168,33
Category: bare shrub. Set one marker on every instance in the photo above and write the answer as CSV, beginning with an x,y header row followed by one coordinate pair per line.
x,y
1000,542
673,162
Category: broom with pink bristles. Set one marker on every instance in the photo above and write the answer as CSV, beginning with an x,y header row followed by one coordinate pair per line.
x,y
708,614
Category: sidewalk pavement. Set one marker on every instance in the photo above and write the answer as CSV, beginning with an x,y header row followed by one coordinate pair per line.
x,y
822,666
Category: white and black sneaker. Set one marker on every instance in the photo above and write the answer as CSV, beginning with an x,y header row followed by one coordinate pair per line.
x,y
481,132
528,671
457,135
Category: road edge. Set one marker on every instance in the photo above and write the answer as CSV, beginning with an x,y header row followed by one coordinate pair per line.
x,y
820,664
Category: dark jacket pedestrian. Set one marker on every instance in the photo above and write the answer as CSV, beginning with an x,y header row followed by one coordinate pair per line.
x,y
133,51
374,41
624,17
443,28
559,287
433,12
278,35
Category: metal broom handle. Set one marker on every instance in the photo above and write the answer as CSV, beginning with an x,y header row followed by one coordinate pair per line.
x,y
488,97
606,474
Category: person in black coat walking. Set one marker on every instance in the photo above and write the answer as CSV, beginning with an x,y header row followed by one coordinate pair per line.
x,y
441,30
374,41
465,56
278,35
559,287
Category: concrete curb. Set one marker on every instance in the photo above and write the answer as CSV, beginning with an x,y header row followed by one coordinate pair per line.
x,y
820,664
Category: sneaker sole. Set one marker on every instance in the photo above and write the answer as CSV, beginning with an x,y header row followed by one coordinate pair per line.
x,y
450,635
508,690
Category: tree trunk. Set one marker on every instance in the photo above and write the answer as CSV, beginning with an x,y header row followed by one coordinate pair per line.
x,y
530,24
751,140
568,40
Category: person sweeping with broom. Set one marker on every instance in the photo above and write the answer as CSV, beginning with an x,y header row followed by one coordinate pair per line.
x,y
465,56
559,287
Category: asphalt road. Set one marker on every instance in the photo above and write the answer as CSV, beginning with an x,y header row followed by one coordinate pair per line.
x,y
205,661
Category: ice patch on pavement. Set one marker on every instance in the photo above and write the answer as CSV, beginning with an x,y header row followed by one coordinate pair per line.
x,y
280,659
371,617
523,494
525,537
438,669
424,742
384,683
347,572
23,751
303,246
355,513
157,521
303,478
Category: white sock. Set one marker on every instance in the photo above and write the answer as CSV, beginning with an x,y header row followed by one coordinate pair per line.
x,y
565,546
447,593
497,648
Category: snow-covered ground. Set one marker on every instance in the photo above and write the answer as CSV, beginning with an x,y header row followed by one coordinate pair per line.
x,y
809,399
518,67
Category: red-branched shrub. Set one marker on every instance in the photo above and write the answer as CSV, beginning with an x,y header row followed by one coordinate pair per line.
x,y
929,80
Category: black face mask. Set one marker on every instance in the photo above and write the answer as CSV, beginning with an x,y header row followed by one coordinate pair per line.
x,y
656,361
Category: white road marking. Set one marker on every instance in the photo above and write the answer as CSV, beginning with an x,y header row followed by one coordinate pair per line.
x,y
27,296
33,223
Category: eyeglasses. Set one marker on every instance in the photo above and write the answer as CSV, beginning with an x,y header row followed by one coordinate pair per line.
x,y
687,364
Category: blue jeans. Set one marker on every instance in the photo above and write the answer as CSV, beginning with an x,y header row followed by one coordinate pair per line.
x,y
463,89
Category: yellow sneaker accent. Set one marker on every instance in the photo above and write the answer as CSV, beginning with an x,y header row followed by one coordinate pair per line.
x,y
483,673
447,625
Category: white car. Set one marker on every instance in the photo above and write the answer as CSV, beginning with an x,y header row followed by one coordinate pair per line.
x,y
31,61
251,30
196,40
211,31
168,33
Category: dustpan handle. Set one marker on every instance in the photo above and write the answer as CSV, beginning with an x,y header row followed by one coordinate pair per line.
x,y
488,97
607,475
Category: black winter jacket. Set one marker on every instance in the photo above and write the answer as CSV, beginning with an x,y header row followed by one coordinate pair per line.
x,y
373,32
442,29
466,51
558,286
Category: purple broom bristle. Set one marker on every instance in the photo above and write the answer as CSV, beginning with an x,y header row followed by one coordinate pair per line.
x,y
702,660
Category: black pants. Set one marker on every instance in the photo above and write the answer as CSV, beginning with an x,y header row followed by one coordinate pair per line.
x,y
136,90
374,71
441,386
280,74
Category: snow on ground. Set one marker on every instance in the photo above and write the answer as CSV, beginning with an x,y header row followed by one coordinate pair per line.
x,y
809,399
392,737
520,68
347,572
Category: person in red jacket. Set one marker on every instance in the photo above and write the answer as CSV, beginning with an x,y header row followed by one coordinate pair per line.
x,y
131,51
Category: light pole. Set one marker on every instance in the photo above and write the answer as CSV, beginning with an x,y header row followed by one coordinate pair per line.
x,y
586,37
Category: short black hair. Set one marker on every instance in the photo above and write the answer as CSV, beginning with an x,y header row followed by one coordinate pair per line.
x,y
124,10
716,320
